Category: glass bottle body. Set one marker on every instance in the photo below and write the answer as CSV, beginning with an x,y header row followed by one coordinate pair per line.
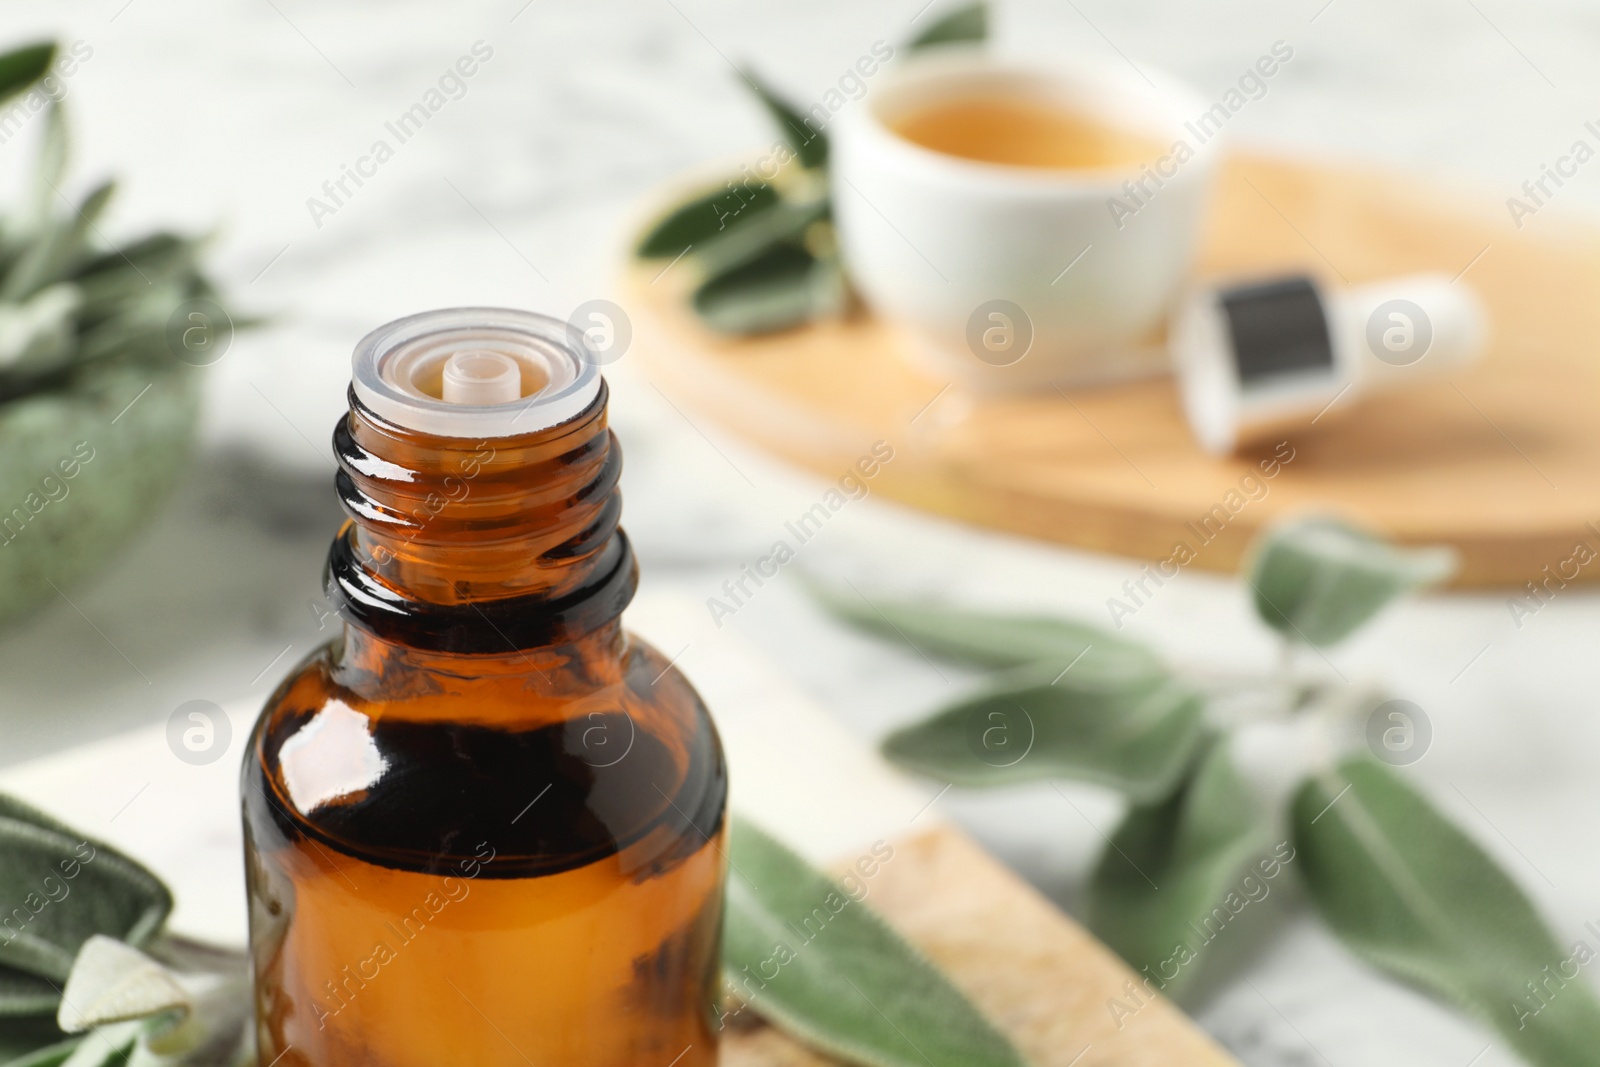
x,y
496,860
484,825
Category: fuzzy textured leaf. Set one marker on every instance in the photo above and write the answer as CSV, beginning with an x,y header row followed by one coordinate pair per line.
x,y
114,983
1318,579
1410,893
1178,872
110,1046
24,995
1135,734
60,888
986,640
816,962
968,24
32,1054
810,146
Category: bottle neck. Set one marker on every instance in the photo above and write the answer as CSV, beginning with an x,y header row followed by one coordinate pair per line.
x,y
482,547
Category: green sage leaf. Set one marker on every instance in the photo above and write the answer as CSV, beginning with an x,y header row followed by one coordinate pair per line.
x,y
114,983
1134,734
964,25
12,808
21,67
985,640
151,258
1177,873
51,168
1414,896
37,335
33,269
781,287
705,218
192,1018
61,888
1317,579
810,145
46,1051
62,243
24,995
109,1046
739,246
813,960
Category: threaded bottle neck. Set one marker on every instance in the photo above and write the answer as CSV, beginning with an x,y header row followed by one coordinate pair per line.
x,y
479,545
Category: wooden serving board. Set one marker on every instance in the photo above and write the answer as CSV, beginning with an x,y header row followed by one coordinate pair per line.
x,y
1502,462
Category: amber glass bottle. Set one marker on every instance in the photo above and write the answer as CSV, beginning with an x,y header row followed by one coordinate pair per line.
x,y
484,825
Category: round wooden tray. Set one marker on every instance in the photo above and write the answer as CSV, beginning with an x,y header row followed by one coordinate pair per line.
x,y
1503,462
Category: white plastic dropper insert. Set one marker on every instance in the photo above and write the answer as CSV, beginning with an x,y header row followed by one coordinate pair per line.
x,y
475,372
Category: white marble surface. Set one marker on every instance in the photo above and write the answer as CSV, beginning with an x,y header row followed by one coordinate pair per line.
x,y
230,113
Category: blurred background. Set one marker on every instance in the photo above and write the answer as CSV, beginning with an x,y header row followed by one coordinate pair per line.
x,y
224,117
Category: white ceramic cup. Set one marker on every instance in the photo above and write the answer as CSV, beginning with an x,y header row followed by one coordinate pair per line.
x,y
1013,277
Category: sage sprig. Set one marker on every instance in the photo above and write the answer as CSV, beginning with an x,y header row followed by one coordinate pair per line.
x,y
1172,861
88,973
1198,846
71,303
1413,895
1316,580
761,246
1137,735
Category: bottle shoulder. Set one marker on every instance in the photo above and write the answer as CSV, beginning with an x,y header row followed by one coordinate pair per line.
x,y
549,769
